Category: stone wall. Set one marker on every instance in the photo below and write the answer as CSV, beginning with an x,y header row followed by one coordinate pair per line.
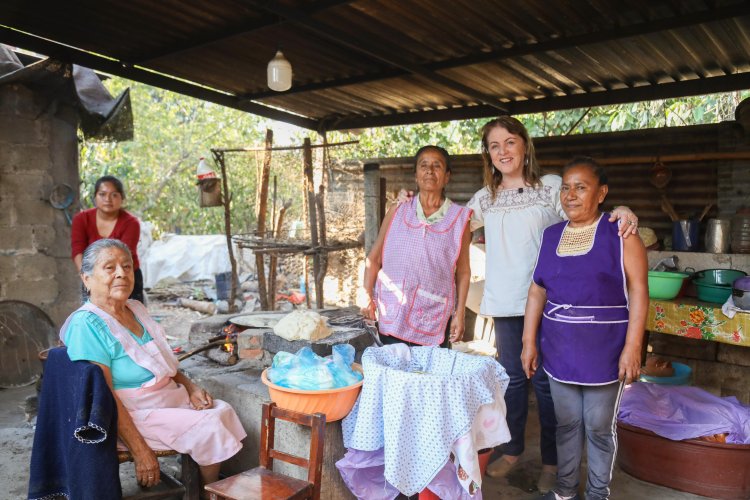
x,y
38,150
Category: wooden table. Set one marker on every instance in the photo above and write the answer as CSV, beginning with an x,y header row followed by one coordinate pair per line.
x,y
689,317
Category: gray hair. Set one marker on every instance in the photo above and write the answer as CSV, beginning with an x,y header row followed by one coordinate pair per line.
x,y
91,254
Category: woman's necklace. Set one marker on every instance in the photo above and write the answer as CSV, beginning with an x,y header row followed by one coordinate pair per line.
x,y
577,240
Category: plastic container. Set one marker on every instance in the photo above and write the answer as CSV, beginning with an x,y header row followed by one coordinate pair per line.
x,y
223,285
681,376
334,403
685,235
664,284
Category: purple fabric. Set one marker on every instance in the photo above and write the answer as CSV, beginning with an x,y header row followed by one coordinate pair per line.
x,y
684,412
585,320
363,473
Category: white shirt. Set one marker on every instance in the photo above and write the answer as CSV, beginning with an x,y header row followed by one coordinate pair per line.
x,y
513,225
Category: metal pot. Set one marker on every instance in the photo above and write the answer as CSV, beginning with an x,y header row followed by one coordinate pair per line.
x,y
718,235
741,293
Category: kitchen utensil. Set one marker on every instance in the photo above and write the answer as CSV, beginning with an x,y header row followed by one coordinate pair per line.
x,y
685,235
717,235
659,178
705,211
740,240
61,197
717,294
681,376
664,284
660,175
741,292
667,208
372,328
334,403
724,277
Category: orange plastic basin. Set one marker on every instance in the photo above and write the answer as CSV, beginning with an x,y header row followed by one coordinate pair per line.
x,y
334,403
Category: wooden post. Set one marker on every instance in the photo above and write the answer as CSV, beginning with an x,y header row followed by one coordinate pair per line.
x,y
226,199
273,260
312,213
262,208
372,196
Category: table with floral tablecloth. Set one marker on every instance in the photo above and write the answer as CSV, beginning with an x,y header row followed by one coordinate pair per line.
x,y
686,317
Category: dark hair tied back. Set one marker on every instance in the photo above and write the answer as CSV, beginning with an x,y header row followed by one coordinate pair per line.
x,y
588,161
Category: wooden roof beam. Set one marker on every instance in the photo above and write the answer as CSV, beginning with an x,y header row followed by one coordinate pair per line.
x,y
531,49
341,38
66,53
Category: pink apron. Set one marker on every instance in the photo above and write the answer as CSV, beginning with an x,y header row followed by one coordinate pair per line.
x,y
415,288
160,408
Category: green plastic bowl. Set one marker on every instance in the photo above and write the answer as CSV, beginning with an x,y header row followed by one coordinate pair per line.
x,y
664,284
718,276
681,376
717,294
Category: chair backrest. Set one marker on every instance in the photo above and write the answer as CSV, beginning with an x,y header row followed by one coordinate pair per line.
x,y
317,424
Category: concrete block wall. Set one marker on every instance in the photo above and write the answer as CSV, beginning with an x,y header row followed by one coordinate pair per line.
x,y
38,150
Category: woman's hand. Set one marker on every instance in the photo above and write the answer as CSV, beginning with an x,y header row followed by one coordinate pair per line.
x,y
529,360
146,468
200,399
457,328
369,310
629,221
404,196
630,365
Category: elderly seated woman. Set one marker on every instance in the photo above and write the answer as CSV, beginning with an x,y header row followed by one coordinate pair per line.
x,y
158,407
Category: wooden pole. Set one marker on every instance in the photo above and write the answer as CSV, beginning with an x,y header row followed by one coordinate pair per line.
x,y
273,260
262,208
226,200
311,210
372,210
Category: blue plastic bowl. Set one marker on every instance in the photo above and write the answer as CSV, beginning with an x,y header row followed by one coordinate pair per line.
x,y
681,376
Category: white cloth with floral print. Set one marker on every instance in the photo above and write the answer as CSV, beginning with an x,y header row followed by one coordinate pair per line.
x,y
513,224
424,406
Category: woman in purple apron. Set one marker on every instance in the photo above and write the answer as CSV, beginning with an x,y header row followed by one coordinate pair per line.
x,y
588,302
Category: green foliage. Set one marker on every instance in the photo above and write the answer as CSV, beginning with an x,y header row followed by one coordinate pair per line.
x,y
173,132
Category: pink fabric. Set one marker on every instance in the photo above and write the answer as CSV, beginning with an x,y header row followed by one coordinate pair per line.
x,y
161,409
416,290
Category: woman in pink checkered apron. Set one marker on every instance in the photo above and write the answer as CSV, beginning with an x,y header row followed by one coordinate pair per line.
x,y
417,272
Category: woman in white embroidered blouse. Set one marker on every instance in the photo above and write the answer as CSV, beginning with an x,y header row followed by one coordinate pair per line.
x,y
515,205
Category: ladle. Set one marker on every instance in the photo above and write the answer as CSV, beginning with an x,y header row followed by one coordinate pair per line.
x,y
61,197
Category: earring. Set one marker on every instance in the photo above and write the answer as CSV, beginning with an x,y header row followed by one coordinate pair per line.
x,y
526,161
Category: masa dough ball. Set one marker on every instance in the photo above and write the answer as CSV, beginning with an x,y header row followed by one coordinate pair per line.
x,y
302,325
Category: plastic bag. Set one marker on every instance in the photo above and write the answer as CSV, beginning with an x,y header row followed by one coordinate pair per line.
x,y
307,371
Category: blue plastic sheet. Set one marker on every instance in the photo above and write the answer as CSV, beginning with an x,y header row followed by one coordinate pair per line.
x,y
307,371
684,412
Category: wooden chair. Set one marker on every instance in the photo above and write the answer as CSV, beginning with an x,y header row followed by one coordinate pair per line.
x,y
187,487
263,482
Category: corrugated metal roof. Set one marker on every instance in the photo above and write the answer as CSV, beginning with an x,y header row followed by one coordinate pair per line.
x,y
366,63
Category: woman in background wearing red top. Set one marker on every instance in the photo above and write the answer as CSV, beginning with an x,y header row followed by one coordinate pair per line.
x,y
108,220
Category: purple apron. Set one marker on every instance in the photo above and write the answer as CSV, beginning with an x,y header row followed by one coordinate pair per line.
x,y
585,320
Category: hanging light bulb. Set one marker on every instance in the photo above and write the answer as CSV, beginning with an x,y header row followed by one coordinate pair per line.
x,y
279,73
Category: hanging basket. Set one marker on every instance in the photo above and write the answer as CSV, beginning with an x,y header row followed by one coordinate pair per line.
x,y
209,191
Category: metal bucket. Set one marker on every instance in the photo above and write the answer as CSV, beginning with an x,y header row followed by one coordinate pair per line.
x,y
718,235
